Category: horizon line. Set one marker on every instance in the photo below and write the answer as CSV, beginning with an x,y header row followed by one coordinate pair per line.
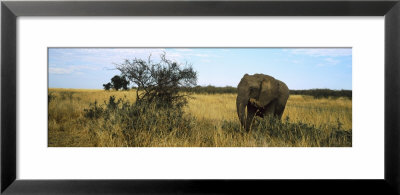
x,y
196,86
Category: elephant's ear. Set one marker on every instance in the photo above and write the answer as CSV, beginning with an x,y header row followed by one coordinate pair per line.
x,y
268,91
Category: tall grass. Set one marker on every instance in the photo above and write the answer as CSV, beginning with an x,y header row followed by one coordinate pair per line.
x,y
109,118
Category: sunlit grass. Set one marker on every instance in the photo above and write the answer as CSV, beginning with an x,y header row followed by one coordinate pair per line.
x,y
215,122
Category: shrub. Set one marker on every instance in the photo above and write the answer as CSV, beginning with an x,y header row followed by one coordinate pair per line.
x,y
107,86
119,82
94,111
50,97
133,118
159,82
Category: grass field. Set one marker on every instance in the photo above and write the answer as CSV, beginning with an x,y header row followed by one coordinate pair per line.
x,y
209,121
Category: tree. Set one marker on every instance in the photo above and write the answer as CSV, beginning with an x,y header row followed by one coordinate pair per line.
x,y
119,82
159,81
107,86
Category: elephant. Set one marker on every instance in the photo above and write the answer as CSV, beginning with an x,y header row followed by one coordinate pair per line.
x,y
263,95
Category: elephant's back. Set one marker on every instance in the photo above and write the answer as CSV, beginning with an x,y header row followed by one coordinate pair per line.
x,y
282,85
250,80
283,88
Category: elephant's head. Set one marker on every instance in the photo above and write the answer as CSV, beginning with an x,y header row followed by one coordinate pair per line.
x,y
258,90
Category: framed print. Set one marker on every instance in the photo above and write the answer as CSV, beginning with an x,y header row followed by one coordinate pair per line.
x,y
125,106
200,73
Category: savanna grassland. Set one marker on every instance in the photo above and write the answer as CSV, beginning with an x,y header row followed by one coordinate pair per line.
x,y
98,118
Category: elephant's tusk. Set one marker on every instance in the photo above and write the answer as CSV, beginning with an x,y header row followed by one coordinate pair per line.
x,y
255,102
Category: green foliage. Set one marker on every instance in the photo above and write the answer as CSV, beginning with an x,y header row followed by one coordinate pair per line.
x,y
107,86
119,82
323,93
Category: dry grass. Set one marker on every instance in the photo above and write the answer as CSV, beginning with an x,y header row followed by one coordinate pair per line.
x,y
212,120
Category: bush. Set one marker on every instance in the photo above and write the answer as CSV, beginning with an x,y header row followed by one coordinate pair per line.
x,y
133,118
107,86
50,97
158,105
119,82
159,82
94,111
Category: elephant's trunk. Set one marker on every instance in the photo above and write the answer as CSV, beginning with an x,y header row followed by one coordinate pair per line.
x,y
240,107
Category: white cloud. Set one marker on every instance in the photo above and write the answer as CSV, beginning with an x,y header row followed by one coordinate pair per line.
x,y
71,69
179,55
329,62
103,55
328,52
206,60
296,61
184,50
332,61
53,70
63,59
173,55
199,55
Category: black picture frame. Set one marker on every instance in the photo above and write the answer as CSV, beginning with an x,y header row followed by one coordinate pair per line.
x,y
10,10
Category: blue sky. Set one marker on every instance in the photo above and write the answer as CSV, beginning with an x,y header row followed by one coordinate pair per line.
x,y
299,68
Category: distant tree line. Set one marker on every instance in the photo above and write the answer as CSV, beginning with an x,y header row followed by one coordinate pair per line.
x,y
210,89
323,93
316,93
169,79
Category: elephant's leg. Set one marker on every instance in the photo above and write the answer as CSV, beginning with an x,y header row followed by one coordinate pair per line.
x,y
282,99
270,109
260,112
241,111
279,111
251,111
